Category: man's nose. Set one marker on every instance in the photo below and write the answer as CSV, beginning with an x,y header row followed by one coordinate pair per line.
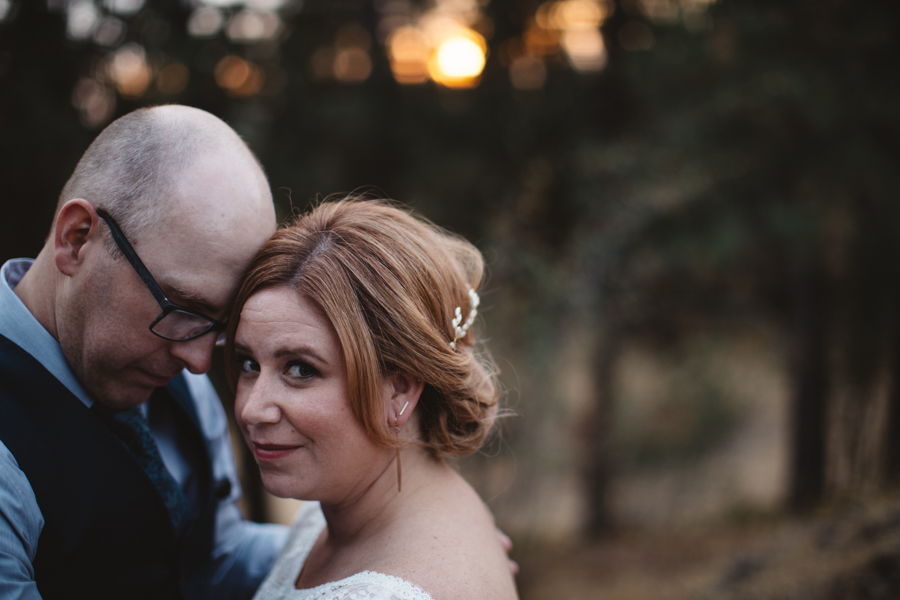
x,y
196,354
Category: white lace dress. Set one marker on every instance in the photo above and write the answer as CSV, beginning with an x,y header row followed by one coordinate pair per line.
x,y
366,585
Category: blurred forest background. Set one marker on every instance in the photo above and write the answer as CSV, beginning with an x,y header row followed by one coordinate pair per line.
x,y
690,213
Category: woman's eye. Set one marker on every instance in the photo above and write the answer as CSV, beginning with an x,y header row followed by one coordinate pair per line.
x,y
301,370
247,364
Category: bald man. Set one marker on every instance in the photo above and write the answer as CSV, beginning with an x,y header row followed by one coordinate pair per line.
x,y
116,473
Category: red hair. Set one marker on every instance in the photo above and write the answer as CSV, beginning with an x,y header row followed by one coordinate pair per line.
x,y
389,282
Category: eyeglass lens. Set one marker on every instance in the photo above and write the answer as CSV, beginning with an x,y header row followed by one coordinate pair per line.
x,y
179,325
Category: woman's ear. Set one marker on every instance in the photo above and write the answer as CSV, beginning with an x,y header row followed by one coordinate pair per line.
x,y
76,223
405,392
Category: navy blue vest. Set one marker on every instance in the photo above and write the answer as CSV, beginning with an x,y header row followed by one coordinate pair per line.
x,y
106,532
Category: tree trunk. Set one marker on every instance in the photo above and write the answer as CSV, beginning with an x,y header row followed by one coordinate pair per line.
x,y
892,435
599,466
809,402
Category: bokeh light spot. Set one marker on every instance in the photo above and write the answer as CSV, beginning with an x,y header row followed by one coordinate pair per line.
x,y
6,7
579,14
458,60
250,26
238,77
129,71
110,32
584,49
352,65
322,63
82,18
94,102
123,7
206,21
527,73
173,79
540,42
409,52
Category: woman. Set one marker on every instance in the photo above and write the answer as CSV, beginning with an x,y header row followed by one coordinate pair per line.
x,y
356,376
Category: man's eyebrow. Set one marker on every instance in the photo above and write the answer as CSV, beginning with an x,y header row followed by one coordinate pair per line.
x,y
193,299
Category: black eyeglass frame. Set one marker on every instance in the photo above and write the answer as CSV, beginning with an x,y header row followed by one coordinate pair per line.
x,y
167,306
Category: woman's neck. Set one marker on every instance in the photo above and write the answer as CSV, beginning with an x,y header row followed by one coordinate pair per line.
x,y
382,503
372,532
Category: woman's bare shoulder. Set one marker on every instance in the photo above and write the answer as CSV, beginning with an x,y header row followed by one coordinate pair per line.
x,y
450,547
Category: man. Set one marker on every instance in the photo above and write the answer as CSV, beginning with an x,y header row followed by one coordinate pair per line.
x,y
99,499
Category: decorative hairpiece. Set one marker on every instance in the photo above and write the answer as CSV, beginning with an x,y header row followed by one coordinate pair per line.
x,y
460,328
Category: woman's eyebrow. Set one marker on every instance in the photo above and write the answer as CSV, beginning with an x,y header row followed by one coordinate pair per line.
x,y
300,351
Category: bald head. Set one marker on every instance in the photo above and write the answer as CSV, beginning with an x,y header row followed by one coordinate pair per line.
x,y
133,167
195,206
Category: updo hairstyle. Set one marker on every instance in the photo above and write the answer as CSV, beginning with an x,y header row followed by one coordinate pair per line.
x,y
389,283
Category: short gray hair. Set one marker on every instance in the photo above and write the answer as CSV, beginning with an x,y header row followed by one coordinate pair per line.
x,y
134,164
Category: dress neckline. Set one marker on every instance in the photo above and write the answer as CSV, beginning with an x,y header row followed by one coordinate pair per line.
x,y
311,512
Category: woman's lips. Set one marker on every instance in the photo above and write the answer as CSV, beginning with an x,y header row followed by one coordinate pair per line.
x,y
270,452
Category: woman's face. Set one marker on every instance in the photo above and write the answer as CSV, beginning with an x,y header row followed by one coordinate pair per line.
x,y
293,404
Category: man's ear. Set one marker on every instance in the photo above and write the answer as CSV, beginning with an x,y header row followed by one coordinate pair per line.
x,y
405,392
76,224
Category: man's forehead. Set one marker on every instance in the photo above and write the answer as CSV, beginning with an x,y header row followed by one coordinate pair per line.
x,y
212,227
204,281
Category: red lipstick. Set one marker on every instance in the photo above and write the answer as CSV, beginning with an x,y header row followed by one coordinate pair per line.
x,y
271,452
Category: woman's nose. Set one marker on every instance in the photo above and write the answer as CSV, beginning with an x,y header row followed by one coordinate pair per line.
x,y
256,402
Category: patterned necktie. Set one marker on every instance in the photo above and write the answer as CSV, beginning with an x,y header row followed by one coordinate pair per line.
x,y
132,429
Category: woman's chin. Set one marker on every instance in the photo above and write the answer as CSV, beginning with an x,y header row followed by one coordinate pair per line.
x,y
285,486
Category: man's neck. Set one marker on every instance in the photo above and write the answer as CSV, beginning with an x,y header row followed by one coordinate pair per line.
x,y
37,290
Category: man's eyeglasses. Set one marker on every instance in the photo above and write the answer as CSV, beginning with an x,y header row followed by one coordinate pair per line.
x,y
174,323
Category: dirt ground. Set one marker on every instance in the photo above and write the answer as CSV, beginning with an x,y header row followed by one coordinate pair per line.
x,y
845,552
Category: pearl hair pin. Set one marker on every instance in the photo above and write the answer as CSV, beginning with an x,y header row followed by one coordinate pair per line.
x,y
460,328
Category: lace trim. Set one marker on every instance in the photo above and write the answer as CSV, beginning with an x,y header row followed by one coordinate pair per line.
x,y
365,585
368,584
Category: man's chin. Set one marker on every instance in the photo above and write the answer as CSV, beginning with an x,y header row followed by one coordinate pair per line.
x,y
122,396
144,379
120,403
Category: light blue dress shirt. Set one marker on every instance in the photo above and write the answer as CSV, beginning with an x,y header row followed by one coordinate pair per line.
x,y
243,551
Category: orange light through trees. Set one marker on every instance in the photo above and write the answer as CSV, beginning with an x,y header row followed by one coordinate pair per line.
x,y
173,78
444,43
129,71
409,52
459,60
569,25
238,77
585,49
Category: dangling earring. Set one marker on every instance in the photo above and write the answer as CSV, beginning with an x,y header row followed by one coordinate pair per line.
x,y
399,471
397,432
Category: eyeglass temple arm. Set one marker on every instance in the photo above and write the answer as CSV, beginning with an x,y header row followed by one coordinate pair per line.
x,y
133,258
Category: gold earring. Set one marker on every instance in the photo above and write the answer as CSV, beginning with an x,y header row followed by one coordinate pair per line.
x,y
399,470
397,431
